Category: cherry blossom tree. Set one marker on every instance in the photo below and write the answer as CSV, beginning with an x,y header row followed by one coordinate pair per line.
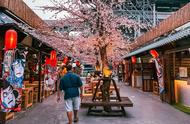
x,y
98,28
95,28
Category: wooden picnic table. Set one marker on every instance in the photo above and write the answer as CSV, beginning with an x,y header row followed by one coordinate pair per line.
x,y
96,101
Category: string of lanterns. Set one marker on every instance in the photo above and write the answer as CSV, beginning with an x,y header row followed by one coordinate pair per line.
x,y
152,52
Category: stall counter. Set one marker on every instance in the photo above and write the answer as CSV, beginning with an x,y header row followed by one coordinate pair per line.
x,y
182,92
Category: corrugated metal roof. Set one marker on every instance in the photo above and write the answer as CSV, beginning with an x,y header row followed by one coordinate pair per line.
x,y
174,37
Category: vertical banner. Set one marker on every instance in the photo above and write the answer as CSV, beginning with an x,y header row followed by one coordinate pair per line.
x,y
50,77
159,69
13,75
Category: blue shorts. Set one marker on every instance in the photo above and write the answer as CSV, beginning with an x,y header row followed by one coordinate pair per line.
x,y
72,104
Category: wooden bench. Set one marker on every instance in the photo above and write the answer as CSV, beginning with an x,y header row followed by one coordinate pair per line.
x,y
96,102
125,102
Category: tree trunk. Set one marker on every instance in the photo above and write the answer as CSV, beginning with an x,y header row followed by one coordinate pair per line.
x,y
103,55
106,80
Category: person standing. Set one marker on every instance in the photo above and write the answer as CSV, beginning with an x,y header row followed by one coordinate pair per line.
x,y
70,83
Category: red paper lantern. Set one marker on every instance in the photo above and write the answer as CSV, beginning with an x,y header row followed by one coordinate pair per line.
x,y
10,39
154,53
65,60
53,55
77,63
47,61
134,59
53,63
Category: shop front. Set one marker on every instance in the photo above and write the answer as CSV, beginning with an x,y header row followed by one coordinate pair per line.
x,y
21,68
143,73
178,74
164,52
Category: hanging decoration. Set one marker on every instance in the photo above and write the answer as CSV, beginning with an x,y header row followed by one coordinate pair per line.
x,y
9,97
47,61
65,60
10,40
160,76
134,59
159,69
50,76
53,63
154,53
77,63
53,55
13,74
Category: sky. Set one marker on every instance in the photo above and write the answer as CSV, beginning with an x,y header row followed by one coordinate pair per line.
x,y
34,5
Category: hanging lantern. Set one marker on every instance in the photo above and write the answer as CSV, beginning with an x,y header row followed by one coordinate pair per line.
x,y
77,63
10,39
47,61
134,59
65,60
53,63
53,55
154,53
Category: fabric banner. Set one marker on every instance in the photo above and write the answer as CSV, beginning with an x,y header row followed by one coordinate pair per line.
x,y
12,83
50,77
159,69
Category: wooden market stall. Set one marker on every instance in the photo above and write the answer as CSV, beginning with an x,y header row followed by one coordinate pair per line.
x,y
12,13
171,40
143,75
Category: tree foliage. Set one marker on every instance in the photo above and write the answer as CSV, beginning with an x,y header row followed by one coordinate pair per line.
x,y
95,27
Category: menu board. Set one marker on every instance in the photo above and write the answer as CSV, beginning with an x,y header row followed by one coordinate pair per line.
x,y
183,71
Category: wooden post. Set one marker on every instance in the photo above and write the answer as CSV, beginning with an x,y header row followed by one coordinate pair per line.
x,y
39,74
42,83
172,79
142,75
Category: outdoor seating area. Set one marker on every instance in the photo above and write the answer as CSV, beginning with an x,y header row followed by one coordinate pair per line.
x,y
97,100
64,61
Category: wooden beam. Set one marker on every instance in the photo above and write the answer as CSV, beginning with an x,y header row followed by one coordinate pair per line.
x,y
20,9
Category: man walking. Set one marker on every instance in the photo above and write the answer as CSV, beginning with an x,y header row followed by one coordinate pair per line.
x,y
70,83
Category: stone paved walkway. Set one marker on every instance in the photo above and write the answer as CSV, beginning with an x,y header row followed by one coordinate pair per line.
x,y
147,109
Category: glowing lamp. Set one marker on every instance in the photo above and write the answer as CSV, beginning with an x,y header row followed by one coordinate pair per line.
x,y
134,59
53,55
10,39
107,72
154,53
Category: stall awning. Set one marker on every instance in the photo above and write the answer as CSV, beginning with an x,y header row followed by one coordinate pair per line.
x,y
174,37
